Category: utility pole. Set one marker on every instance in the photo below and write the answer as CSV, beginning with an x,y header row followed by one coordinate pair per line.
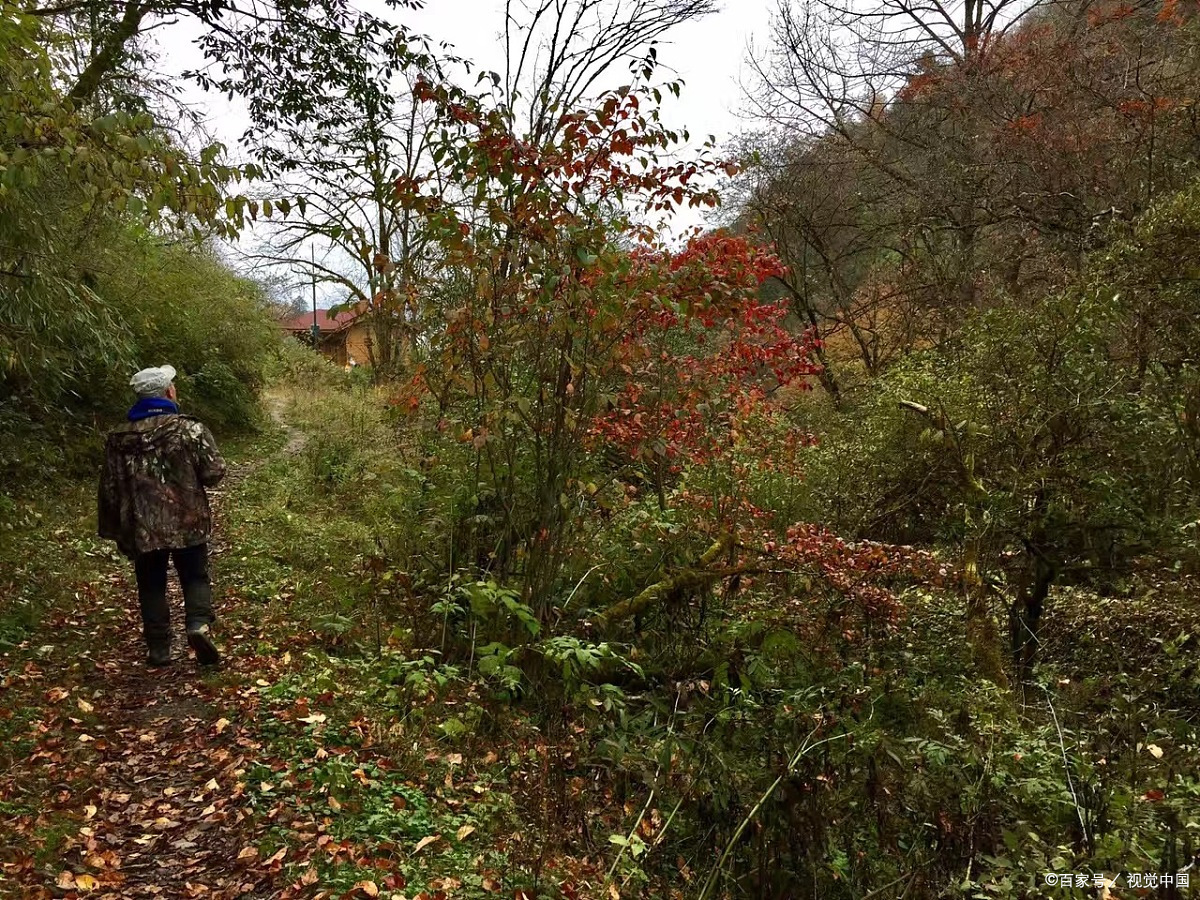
x,y
316,329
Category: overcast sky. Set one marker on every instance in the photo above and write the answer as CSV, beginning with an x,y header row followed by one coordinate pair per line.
x,y
709,55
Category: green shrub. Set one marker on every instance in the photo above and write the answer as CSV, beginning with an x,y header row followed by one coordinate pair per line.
x,y
149,303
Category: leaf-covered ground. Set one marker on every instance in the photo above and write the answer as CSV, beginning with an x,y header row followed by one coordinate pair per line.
x,y
125,781
268,778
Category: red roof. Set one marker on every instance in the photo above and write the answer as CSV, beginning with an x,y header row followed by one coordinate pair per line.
x,y
325,321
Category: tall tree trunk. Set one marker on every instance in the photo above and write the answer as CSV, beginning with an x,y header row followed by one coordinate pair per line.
x,y
111,49
1025,615
981,629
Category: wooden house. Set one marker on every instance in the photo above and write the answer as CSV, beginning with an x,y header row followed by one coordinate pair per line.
x,y
344,338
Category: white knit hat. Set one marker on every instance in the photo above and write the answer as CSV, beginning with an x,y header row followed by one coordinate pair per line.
x,y
152,382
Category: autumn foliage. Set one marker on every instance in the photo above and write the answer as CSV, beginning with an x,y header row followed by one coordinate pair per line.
x,y
579,362
701,351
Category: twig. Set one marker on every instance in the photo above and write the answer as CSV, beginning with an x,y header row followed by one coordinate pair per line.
x,y
879,890
710,883
1067,766
629,837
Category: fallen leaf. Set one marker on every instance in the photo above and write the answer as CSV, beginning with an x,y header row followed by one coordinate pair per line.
x,y
248,853
84,706
1155,750
276,856
314,719
89,812
221,725
426,841
309,876
369,888
66,880
86,882
464,832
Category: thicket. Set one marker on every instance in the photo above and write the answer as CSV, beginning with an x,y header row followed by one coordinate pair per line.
x,y
608,497
105,265
791,722
1003,338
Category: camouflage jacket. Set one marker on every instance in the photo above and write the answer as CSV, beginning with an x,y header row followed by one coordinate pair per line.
x,y
152,487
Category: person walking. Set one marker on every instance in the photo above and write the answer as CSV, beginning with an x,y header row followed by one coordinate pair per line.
x,y
153,503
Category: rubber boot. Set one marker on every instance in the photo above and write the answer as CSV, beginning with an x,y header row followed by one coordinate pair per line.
x,y
200,641
159,656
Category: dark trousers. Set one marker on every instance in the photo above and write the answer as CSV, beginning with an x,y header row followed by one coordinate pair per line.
x,y
191,564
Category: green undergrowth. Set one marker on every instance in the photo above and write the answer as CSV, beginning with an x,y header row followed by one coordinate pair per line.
x,y
399,742
382,749
388,794
50,557
55,591
363,761
748,741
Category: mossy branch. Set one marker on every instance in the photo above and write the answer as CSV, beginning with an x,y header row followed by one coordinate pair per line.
x,y
699,576
952,441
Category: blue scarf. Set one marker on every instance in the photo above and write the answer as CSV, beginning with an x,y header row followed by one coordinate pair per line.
x,y
146,407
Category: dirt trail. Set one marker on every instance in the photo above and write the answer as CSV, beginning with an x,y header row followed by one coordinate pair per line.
x,y
276,403
137,775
